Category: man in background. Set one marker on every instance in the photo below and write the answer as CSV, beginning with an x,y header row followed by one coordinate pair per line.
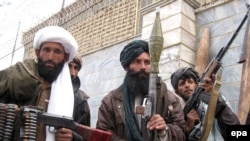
x,y
81,112
184,82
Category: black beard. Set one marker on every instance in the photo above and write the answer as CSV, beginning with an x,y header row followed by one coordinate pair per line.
x,y
49,74
137,82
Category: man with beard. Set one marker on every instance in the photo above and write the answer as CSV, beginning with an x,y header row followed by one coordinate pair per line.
x,y
184,82
81,107
43,82
116,113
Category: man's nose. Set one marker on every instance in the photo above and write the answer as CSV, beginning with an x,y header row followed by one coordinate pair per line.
x,y
72,71
51,55
143,66
187,84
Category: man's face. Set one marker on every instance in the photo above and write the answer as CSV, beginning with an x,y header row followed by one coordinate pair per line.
x,y
141,63
74,69
51,58
51,51
186,88
138,74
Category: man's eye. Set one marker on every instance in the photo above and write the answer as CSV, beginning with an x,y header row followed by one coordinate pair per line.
x,y
58,51
147,62
181,83
137,62
46,49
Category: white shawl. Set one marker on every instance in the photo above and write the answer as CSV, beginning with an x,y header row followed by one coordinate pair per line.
x,y
62,96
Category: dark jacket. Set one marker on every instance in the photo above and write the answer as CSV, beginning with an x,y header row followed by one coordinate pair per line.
x,y
21,84
111,116
81,107
224,116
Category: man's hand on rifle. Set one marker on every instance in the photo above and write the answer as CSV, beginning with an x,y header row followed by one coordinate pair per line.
x,y
192,119
158,123
207,85
63,134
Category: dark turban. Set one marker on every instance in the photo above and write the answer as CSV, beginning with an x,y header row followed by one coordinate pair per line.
x,y
133,50
183,72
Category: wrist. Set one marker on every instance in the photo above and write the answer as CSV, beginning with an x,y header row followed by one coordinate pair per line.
x,y
163,132
188,128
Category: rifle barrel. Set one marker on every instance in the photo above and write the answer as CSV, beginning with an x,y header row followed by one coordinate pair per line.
x,y
224,49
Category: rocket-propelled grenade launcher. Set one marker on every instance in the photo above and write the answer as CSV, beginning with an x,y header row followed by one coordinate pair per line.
x,y
149,103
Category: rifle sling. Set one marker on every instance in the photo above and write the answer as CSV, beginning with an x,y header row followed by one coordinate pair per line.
x,y
209,118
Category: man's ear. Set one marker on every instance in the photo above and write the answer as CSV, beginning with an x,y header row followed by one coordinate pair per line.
x,y
66,58
37,51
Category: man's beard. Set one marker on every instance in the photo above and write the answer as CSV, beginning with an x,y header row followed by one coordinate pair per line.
x,y
137,82
49,73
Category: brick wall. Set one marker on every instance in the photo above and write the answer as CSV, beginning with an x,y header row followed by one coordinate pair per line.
x,y
95,24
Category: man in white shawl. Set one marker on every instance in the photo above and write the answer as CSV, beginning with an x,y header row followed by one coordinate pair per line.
x,y
43,82
57,45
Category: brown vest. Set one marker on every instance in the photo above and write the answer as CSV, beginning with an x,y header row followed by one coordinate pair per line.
x,y
42,101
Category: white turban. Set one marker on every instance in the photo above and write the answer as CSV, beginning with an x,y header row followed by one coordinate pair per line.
x,y
59,35
61,100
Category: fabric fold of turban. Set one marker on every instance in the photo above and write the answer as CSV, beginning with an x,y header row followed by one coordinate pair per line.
x,y
59,35
177,75
133,50
78,60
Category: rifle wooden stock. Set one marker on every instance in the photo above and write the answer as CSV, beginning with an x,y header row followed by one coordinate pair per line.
x,y
93,134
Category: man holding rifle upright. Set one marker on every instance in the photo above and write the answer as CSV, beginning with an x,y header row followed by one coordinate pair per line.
x,y
43,82
184,81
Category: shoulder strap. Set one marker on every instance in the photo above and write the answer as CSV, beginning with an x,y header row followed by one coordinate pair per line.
x,y
28,70
209,118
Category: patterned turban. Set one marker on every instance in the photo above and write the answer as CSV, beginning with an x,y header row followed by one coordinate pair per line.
x,y
59,35
78,60
183,72
133,50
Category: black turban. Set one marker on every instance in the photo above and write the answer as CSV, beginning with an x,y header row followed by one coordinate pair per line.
x,y
133,50
180,73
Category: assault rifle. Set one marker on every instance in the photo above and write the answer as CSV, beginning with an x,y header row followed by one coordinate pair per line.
x,y
212,68
27,118
32,114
